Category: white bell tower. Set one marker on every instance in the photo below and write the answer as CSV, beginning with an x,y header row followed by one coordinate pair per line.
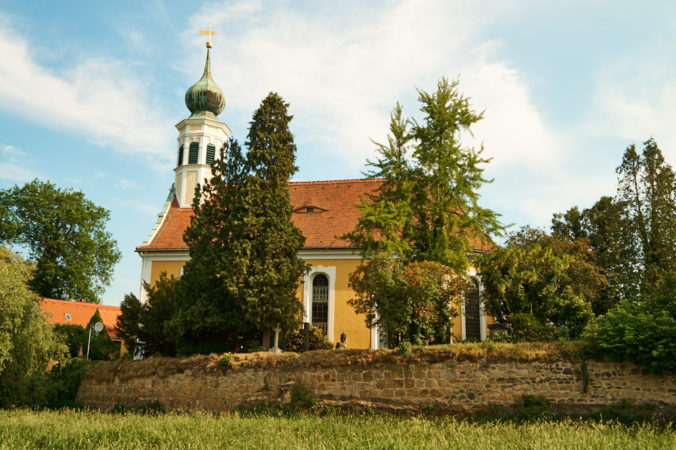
x,y
201,136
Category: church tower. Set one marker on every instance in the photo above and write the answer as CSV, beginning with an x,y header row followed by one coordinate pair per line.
x,y
200,136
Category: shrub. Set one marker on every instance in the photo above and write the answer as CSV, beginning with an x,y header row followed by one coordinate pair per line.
x,y
405,349
63,382
629,333
294,340
301,396
413,301
526,327
225,360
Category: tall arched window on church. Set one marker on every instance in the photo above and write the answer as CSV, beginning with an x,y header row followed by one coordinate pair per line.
x,y
473,312
194,152
180,156
211,153
320,302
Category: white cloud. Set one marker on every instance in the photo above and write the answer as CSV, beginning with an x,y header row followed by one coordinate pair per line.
x,y
635,99
16,172
342,68
97,97
123,183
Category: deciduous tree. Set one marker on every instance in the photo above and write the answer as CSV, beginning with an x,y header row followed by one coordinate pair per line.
x,y
428,206
27,342
541,275
412,302
65,236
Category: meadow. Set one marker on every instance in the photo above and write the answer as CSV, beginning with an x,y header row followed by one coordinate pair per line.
x,y
22,428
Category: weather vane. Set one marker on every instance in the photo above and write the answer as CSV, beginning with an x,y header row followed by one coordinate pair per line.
x,y
209,33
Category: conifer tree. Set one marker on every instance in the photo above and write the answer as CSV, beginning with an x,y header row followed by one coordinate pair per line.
x,y
273,267
244,271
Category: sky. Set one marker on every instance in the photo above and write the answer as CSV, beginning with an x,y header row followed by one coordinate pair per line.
x,y
90,92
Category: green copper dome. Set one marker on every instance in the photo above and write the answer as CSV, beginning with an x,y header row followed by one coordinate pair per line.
x,y
205,97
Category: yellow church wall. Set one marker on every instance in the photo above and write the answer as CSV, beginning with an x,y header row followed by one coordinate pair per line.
x,y
170,267
345,320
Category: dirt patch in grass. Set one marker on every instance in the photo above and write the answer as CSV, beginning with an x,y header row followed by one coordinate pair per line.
x,y
213,364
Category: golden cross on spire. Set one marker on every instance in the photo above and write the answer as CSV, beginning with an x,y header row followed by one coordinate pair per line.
x,y
209,33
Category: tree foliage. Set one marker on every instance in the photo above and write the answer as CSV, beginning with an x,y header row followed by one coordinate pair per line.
x,y
631,332
65,236
633,236
244,271
147,327
545,276
427,208
606,228
647,185
412,302
26,340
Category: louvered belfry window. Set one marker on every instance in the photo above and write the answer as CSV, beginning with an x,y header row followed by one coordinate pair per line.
x,y
194,152
320,302
180,156
211,153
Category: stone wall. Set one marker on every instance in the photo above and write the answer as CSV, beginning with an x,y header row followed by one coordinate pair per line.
x,y
393,382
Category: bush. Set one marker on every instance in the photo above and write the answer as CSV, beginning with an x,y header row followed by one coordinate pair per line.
x,y
63,382
412,302
526,327
294,340
629,333
405,349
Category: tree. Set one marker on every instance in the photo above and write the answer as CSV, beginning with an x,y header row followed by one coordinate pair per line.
x,y
544,276
606,228
409,302
26,340
128,323
427,208
647,185
244,270
147,326
65,236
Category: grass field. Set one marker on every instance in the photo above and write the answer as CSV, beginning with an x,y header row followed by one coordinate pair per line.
x,y
88,429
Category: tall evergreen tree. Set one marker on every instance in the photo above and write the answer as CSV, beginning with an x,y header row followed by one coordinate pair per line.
x,y
647,184
427,208
244,270
273,268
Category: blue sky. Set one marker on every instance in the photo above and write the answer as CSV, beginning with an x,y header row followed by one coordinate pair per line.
x,y
90,91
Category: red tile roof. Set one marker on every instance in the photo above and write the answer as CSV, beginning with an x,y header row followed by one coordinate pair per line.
x,y
80,313
335,213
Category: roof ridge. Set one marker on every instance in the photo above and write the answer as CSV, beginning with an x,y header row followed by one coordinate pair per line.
x,y
346,180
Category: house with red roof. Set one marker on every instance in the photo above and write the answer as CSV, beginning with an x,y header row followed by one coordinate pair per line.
x,y
67,312
322,210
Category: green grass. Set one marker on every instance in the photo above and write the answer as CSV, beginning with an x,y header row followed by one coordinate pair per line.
x,y
89,429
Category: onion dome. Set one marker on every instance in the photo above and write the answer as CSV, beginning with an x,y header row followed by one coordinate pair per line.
x,y
205,98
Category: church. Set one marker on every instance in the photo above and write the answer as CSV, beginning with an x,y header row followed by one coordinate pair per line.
x,y
322,210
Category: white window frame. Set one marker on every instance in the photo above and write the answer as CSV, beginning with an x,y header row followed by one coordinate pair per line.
x,y
482,310
330,273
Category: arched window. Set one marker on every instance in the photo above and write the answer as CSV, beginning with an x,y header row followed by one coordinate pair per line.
x,y
211,153
180,156
194,152
320,302
473,312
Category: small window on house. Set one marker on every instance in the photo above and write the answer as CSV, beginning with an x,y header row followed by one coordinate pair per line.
x,y
180,156
68,316
211,153
309,209
320,302
194,152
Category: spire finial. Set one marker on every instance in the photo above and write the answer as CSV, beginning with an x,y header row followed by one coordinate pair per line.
x,y
209,33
